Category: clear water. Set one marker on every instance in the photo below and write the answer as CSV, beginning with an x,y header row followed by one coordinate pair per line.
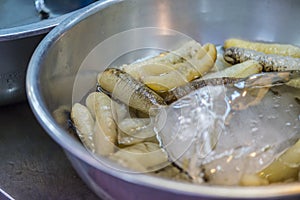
x,y
225,132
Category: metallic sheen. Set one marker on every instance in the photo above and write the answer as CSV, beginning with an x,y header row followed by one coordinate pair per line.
x,y
20,32
54,65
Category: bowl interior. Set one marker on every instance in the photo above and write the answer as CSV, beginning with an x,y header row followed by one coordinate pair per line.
x,y
56,62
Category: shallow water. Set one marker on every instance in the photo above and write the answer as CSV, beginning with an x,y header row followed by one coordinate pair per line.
x,y
224,132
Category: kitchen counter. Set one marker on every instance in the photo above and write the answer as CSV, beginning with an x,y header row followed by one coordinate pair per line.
x,y
32,165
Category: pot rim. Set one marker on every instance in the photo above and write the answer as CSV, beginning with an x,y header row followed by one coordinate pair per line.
x,y
76,149
33,29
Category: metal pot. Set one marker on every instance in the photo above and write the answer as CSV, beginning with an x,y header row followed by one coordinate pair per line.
x,y
20,33
56,61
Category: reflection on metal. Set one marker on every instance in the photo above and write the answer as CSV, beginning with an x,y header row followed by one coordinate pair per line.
x,y
4,195
42,9
50,9
21,30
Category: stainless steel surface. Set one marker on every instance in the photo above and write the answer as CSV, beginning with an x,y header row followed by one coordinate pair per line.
x,y
4,195
14,56
55,8
54,65
32,165
12,17
20,31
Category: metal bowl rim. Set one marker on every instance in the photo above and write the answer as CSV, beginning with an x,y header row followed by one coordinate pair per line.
x,y
33,29
74,148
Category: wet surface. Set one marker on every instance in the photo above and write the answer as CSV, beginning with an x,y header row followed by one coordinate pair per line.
x,y
231,132
32,165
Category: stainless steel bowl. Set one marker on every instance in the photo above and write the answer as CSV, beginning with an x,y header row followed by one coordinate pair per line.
x,y
57,59
21,29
